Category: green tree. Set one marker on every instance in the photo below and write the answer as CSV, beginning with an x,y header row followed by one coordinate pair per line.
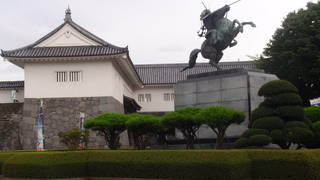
x,y
110,126
142,127
219,118
186,121
313,115
278,119
74,138
293,53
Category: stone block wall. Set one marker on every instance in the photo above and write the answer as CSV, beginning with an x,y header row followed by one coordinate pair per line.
x,y
10,118
235,88
62,114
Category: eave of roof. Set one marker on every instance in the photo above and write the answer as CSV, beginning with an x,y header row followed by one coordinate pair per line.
x,y
11,84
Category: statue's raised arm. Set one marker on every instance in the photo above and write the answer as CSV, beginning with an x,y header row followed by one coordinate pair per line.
x,y
210,18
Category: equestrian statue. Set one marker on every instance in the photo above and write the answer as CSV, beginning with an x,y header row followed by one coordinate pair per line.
x,y
220,33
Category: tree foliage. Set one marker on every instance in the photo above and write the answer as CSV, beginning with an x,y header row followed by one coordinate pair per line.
x,y
186,121
278,119
143,126
110,126
219,118
293,53
74,138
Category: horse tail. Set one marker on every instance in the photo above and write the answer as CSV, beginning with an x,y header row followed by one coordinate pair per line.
x,y
192,59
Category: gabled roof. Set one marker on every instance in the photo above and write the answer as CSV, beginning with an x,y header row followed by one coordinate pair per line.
x,y
155,74
11,84
33,52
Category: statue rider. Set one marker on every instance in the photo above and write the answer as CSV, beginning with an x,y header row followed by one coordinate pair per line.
x,y
209,27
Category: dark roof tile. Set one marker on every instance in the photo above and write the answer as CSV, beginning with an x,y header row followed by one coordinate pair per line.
x,y
11,84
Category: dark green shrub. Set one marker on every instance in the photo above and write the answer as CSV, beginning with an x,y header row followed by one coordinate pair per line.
x,y
259,140
312,113
141,126
4,156
219,118
282,100
215,165
262,111
268,123
299,135
278,137
290,112
279,164
242,142
316,125
276,87
293,124
110,126
186,121
251,132
46,165
74,137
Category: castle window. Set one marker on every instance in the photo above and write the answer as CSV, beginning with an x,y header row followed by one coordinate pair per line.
x,y
75,76
141,97
62,76
166,96
148,97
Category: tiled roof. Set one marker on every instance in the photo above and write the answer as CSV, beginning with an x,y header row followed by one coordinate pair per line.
x,y
11,84
73,51
33,51
153,74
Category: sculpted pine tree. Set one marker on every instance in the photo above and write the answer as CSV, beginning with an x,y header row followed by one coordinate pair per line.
x,y
294,50
279,119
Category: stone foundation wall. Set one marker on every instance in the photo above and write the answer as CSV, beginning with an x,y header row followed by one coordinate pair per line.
x,y
10,118
234,88
62,114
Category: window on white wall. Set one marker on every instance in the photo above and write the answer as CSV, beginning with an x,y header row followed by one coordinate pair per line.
x,y
148,97
166,96
62,76
141,97
75,76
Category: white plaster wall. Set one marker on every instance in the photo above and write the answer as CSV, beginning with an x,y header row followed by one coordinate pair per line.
x,y
97,80
120,86
5,95
157,103
67,36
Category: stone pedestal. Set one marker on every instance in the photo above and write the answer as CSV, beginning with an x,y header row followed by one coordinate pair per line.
x,y
234,88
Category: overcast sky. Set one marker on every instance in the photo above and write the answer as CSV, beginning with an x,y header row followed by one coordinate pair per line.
x,y
156,31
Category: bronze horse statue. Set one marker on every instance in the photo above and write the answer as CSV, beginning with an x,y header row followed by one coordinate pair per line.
x,y
220,34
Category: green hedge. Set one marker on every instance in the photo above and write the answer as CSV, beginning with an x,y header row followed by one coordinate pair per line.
x,y
261,112
290,113
313,113
269,123
173,164
282,100
4,156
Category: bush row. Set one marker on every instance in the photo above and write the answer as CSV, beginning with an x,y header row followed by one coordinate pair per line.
x,y
196,164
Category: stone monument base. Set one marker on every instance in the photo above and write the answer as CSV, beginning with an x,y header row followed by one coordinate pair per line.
x,y
234,88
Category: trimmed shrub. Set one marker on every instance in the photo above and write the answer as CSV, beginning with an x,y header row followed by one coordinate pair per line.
x,y
74,138
109,125
260,112
242,142
276,87
251,132
219,118
290,112
282,100
4,156
268,123
312,113
259,140
141,126
299,135
215,165
278,137
279,164
293,124
46,165
316,125
186,121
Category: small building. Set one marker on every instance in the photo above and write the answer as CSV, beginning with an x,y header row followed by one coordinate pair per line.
x,y
76,74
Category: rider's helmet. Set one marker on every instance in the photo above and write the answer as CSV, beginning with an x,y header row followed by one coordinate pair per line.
x,y
204,14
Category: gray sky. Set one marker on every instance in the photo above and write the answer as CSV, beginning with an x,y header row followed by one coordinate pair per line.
x,y
156,31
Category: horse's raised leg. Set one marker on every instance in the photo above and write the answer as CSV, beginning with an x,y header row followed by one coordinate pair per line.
x,y
239,27
192,59
233,43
